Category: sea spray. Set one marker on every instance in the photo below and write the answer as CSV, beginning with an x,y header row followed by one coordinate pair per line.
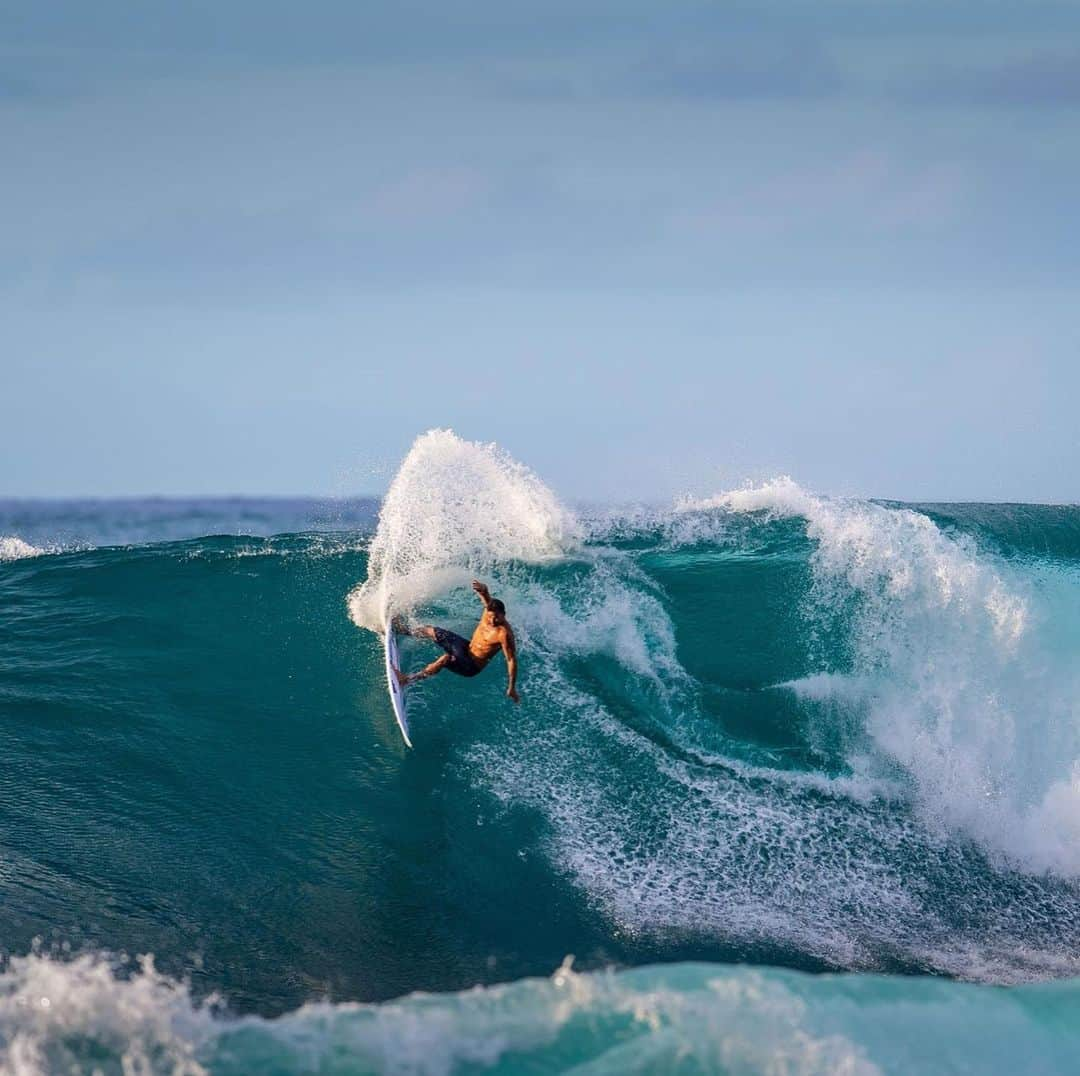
x,y
454,508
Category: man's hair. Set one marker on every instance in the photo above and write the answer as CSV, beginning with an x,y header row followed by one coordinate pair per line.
x,y
498,606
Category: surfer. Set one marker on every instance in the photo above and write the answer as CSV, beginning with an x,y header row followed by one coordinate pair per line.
x,y
464,657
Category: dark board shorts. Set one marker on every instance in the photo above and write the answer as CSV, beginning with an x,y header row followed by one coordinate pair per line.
x,y
461,660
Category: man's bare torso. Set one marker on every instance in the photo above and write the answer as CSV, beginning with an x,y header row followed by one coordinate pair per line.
x,y
487,640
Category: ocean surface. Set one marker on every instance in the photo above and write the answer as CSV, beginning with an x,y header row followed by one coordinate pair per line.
x,y
794,784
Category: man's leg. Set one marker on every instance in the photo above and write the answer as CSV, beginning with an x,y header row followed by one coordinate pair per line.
x,y
424,631
436,666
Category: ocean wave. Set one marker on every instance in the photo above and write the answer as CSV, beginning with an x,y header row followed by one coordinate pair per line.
x,y
81,1016
770,726
923,756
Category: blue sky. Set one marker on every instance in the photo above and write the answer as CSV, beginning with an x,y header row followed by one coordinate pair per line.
x,y
649,248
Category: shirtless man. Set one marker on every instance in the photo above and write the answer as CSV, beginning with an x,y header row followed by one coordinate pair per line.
x,y
492,634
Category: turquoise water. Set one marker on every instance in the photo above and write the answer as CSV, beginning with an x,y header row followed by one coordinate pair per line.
x,y
764,728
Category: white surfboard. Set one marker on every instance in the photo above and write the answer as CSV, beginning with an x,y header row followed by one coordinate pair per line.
x,y
397,692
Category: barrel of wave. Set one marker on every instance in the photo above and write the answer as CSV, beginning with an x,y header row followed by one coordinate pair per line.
x,y
455,509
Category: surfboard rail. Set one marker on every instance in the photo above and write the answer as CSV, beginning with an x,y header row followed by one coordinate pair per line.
x,y
397,692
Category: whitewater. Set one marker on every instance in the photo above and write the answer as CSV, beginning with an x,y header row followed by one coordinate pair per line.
x,y
794,783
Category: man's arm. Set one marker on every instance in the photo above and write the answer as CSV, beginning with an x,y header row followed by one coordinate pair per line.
x,y
482,592
509,647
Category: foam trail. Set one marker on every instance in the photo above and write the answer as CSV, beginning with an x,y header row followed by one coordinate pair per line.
x,y
965,700
456,507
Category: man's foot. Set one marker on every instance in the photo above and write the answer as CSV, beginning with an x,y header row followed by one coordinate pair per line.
x,y
399,626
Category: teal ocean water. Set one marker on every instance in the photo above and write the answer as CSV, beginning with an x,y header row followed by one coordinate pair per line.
x,y
794,784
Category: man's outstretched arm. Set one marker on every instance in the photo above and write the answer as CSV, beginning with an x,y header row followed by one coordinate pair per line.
x,y
510,651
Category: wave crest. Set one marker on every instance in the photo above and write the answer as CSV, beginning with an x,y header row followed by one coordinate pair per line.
x,y
966,702
12,548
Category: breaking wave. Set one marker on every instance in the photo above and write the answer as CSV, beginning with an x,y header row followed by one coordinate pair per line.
x,y
81,1017
766,727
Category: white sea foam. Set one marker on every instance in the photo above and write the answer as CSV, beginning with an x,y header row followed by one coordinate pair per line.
x,y
12,548
79,1017
670,847
969,699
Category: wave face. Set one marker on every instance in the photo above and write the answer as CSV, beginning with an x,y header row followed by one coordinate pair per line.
x,y
765,727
